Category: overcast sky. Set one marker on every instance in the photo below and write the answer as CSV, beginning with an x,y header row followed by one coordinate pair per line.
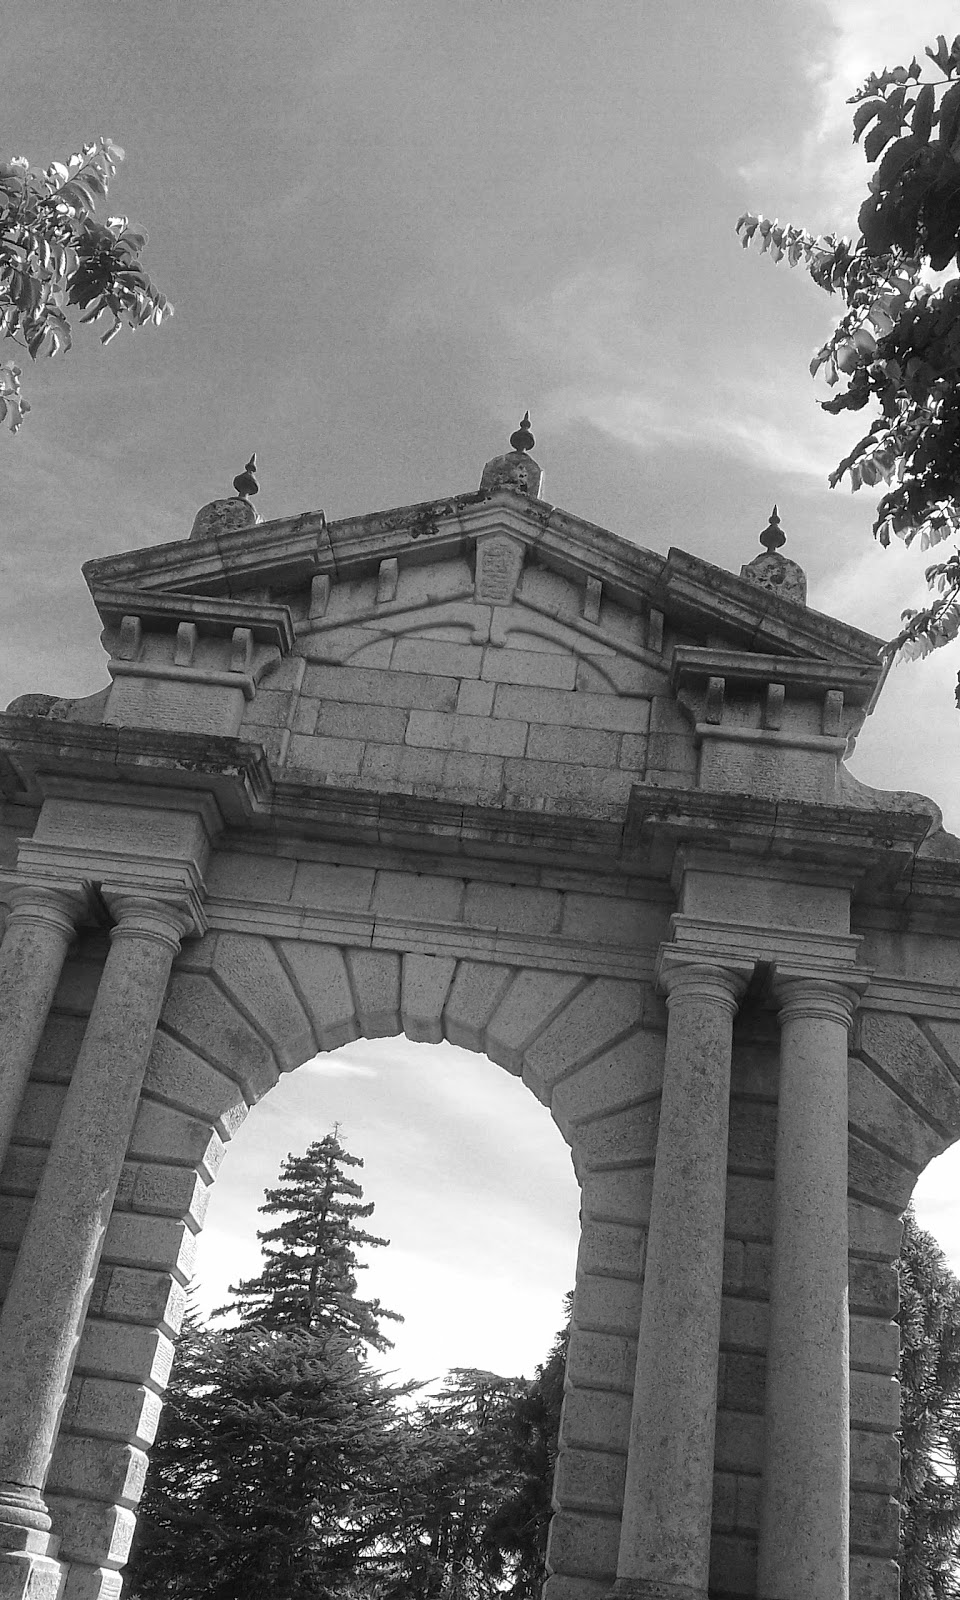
x,y
388,228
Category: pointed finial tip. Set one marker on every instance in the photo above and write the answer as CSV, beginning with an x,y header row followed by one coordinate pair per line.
x,y
523,439
773,536
245,482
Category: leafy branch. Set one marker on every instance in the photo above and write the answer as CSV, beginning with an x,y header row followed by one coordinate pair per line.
x,y
897,345
57,257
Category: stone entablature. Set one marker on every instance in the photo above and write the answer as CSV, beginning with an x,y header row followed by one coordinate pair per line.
x,y
476,770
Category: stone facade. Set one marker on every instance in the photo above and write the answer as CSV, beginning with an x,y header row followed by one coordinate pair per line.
x,y
475,770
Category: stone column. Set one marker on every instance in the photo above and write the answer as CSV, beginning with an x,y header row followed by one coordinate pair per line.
x,y
39,929
805,1503
43,1313
665,1537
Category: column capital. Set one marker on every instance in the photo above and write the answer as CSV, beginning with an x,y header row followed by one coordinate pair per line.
x,y
683,974
140,916
824,999
59,908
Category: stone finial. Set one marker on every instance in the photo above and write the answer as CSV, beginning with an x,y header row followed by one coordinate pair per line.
x,y
516,470
774,571
230,516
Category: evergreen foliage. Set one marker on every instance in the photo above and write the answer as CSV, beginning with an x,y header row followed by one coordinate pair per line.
x,y
929,1320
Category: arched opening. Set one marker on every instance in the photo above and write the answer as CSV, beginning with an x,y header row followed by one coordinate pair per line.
x,y
473,1186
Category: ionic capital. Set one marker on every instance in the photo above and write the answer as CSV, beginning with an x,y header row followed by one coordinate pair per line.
x,y
818,999
140,917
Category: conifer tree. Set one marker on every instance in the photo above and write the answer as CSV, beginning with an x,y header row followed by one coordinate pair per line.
x,y
308,1281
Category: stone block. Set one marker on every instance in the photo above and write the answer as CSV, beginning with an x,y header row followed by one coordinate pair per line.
x,y
605,1361
25,1575
619,1139
739,1441
437,657
421,897
884,1118
424,985
874,1523
332,887
184,1079
323,983
124,1351
531,1002
565,781
474,996
878,1178
632,1070
481,775
590,1480
162,1134
98,1469
874,1345
749,1207
757,1266
252,971
549,669
438,730
91,1531
58,1049
607,1305
733,1565
594,1020
268,709
733,1259
349,721
596,1419
748,1502
205,1020
560,1586
612,1249
375,981
158,1243
873,1578
620,1196
475,699
131,1294
242,875
607,919
402,764
744,1382
583,1543
512,908
107,1408
874,1288
903,1053
874,1461
325,755
874,1402
164,1191
614,713
14,1214
582,746
634,748
743,1326
92,1583
753,1136
80,978
724,1517
371,687
874,1232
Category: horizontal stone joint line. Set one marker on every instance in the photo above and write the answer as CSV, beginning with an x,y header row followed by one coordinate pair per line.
x,y
940,1051
608,1044
219,983
195,1050
882,1148
583,980
590,1117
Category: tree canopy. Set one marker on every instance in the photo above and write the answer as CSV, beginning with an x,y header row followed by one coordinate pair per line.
x,y
896,347
57,258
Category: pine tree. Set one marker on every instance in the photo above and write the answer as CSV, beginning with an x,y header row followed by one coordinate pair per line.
x,y
929,1320
308,1280
279,1465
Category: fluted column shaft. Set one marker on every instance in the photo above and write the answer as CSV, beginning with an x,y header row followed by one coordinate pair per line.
x,y
804,1526
39,929
43,1313
665,1539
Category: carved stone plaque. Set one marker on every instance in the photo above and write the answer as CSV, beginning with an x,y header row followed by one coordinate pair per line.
x,y
499,564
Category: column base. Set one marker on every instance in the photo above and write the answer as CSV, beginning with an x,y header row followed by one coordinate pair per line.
x,y
652,1589
25,1575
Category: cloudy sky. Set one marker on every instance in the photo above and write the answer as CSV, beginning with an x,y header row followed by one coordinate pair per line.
x,y
388,228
